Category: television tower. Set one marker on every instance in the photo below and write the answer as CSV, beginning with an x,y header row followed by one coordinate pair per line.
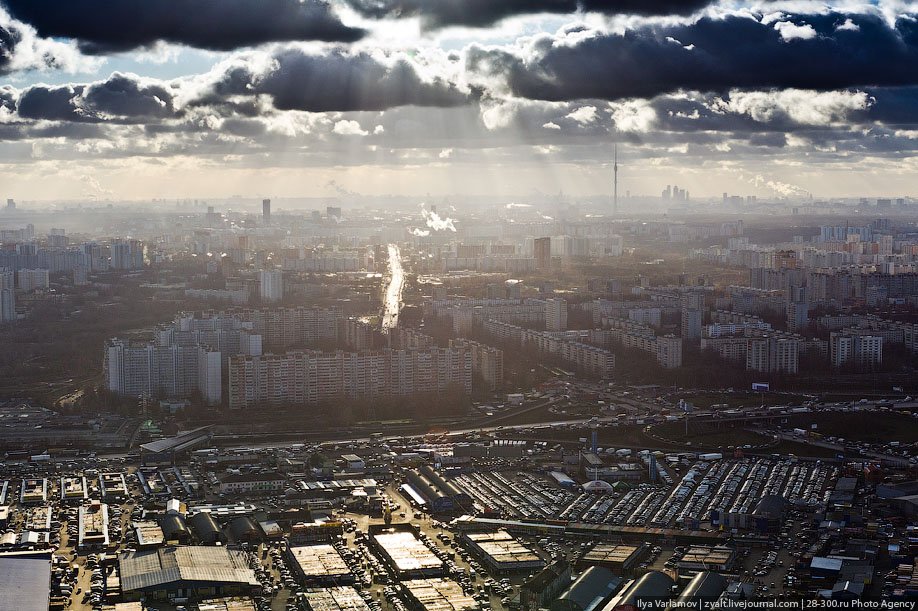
x,y
615,180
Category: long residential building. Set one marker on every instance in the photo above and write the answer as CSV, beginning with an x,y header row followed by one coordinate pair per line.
x,y
308,377
144,369
569,346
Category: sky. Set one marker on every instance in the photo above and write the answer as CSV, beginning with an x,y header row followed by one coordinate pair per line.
x,y
118,99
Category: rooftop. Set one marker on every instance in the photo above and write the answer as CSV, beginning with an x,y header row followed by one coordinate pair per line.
x,y
142,570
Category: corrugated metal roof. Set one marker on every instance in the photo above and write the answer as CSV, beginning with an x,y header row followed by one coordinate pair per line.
x,y
26,581
152,568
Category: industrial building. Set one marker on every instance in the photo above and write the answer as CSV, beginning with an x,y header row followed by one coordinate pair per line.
x,y
589,592
341,598
403,552
149,534
205,529
319,565
429,489
175,530
26,579
185,572
707,558
34,491
93,526
618,558
654,584
501,552
544,586
112,486
244,530
73,489
437,595
705,587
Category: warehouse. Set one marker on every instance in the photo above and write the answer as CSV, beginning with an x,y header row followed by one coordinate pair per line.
x,y
449,489
174,528
319,565
589,592
502,553
185,572
93,526
34,491
73,490
26,579
707,558
435,499
403,552
148,534
705,587
650,585
206,529
244,530
621,559
112,486
437,595
342,598
544,586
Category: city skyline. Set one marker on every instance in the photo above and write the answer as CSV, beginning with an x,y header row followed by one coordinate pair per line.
x,y
315,98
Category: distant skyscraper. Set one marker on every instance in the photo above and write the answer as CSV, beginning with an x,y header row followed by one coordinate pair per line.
x,y
10,204
266,211
333,212
541,249
272,285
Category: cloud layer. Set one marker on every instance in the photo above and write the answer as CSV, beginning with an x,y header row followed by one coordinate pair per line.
x,y
682,85
102,26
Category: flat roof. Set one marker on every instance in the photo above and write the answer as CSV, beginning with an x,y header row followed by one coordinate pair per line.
x,y
503,549
149,533
611,553
317,561
704,555
439,595
407,552
340,598
26,579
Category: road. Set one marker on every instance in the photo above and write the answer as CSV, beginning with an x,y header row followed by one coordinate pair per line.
x,y
393,301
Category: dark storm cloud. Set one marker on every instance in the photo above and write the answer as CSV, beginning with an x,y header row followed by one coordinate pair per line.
x,y
711,54
103,26
9,38
336,81
121,97
52,104
480,13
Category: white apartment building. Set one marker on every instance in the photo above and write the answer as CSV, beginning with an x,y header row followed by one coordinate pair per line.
x,y
555,315
271,285
307,377
149,370
853,346
33,279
